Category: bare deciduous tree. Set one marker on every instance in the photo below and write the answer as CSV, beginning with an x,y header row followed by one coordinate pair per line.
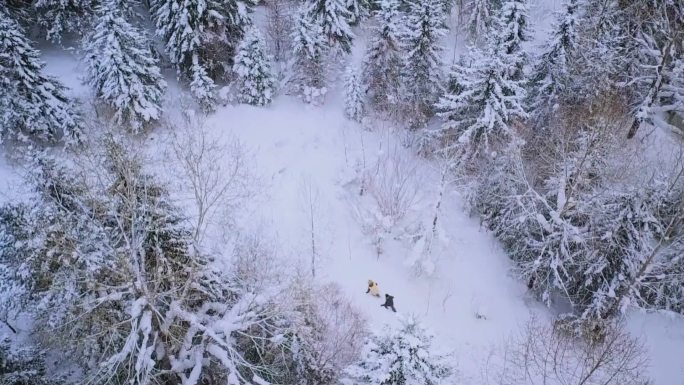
x,y
279,28
544,355
215,170
310,203
393,184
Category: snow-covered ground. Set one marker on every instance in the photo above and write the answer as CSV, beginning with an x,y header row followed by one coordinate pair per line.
x,y
298,148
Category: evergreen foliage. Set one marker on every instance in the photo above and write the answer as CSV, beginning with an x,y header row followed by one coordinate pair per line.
x,y
383,61
334,17
353,96
253,70
403,356
33,106
422,72
59,17
200,38
122,69
310,48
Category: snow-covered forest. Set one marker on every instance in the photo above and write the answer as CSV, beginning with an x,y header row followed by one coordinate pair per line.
x,y
341,192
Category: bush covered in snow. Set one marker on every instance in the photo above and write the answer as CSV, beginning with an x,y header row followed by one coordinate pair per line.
x,y
616,358
353,96
402,356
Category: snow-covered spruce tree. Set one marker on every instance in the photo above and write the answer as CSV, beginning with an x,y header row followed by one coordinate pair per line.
x,y
334,17
383,60
551,74
310,47
114,280
480,15
422,72
122,69
358,10
353,95
480,105
403,356
601,46
601,247
485,96
58,17
510,34
671,96
661,287
652,40
627,48
24,365
664,93
253,69
639,240
454,106
201,37
33,106
547,245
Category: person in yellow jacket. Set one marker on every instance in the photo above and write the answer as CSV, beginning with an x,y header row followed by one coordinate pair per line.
x,y
373,288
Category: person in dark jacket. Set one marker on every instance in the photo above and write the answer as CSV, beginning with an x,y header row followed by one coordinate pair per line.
x,y
389,303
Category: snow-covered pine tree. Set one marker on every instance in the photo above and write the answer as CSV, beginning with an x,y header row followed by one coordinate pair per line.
x,y
662,86
422,72
652,43
58,17
403,356
480,15
353,95
310,47
510,34
358,10
113,279
334,17
253,69
200,38
602,48
480,105
627,47
671,97
639,237
549,78
33,106
488,94
122,69
383,61
542,231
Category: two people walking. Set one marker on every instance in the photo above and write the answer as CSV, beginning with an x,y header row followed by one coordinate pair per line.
x,y
374,290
